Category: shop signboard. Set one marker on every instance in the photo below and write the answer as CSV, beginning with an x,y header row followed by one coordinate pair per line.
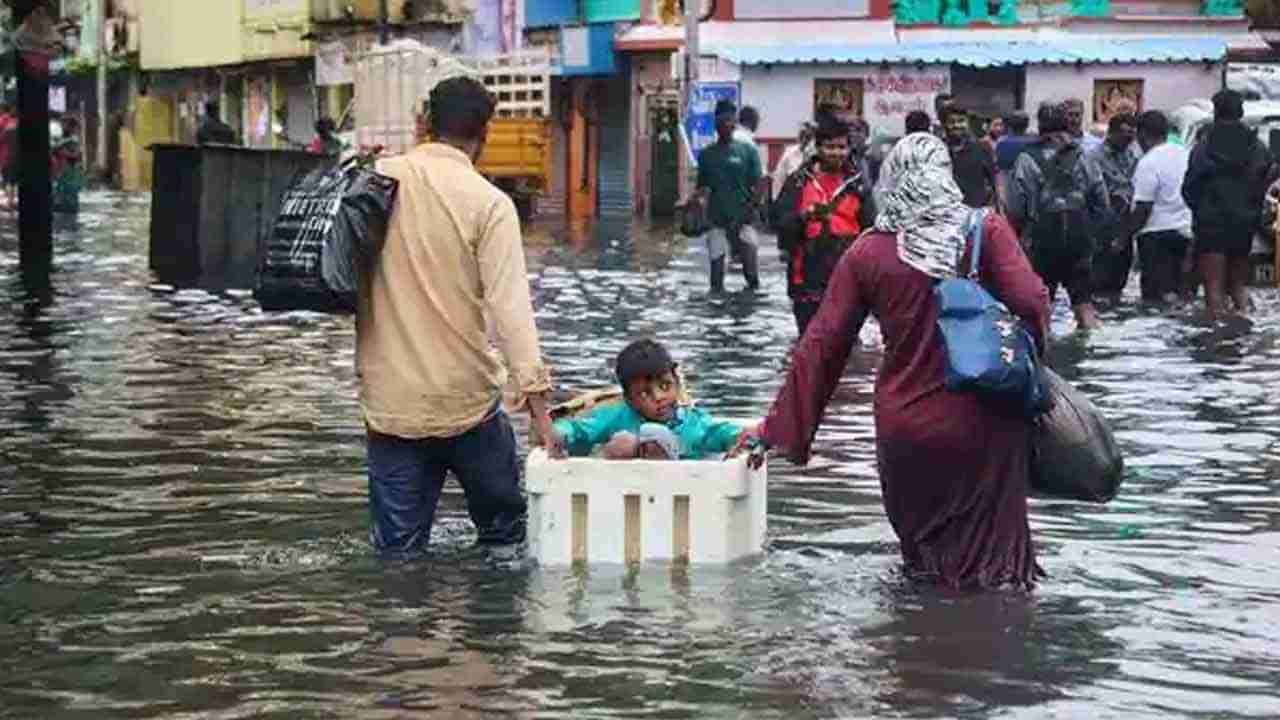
x,y
1262,79
700,123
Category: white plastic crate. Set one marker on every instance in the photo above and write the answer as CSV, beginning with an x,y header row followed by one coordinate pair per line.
x,y
391,81
610,511
520,82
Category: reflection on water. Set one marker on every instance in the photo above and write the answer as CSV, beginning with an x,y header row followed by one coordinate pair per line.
x,y
182,523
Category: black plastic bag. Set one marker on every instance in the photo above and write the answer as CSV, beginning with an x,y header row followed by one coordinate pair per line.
x,y
1073,452
693,219
332,223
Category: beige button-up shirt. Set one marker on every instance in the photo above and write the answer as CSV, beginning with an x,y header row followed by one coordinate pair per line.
x,y
453,259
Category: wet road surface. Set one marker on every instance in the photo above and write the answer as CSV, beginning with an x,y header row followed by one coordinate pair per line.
x,y
183,524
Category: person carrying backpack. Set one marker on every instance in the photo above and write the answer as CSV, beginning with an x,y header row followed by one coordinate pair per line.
x,y
1056,197
1224,187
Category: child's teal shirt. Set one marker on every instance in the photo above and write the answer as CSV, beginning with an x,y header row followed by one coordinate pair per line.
x,y
700,435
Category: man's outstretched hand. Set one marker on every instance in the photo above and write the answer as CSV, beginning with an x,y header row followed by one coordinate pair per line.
x,y
540,420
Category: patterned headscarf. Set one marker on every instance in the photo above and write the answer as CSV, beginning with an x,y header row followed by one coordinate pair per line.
x,y
920,202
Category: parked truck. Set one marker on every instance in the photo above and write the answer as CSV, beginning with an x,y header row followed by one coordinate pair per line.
x,y
393,85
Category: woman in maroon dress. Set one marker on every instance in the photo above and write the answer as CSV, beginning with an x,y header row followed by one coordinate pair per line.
x,y
953,468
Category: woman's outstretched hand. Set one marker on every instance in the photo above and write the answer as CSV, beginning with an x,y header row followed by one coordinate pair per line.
x,y
752,443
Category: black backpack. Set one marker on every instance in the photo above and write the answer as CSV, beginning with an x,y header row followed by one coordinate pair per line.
x,y
1061,218
1234,190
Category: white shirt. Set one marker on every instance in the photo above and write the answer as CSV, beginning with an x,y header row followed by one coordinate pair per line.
x,y
792,160
1158,180
1089,141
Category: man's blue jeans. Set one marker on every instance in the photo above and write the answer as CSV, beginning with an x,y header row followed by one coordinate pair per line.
x,y
406,477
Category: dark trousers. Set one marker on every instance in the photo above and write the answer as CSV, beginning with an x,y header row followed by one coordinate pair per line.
x,y
1111,268
747,252
804,309
406,477
1162,254
1072,269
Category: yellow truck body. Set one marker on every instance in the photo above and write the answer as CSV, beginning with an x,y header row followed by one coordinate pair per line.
x,y
518,148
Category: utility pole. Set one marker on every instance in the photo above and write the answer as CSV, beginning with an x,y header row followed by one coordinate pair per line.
x,y
100,10
384,16
691,55
35,188
691,51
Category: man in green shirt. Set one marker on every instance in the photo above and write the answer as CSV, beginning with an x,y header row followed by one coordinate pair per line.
x,y
728,175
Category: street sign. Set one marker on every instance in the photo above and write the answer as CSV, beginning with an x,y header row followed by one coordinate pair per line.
x,y
700,122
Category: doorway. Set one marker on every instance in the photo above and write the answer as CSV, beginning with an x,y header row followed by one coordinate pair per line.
x,y
233,103
664,160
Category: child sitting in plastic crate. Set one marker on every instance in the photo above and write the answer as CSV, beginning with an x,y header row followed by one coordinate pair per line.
x,y
650,422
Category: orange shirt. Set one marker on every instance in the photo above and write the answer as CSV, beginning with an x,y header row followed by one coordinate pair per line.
x,y
844,217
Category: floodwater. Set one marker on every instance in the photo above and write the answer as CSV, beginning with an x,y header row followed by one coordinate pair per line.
x,y
183,524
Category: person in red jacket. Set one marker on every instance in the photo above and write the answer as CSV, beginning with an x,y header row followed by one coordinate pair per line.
x,y
830,214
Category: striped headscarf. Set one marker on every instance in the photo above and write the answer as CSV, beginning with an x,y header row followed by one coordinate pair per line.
x,y
920,202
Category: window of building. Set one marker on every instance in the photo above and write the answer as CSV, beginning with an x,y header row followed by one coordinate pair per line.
x,y
1115,96
989,92
844,94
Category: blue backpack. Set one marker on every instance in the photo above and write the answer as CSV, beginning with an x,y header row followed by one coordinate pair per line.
x,y
989,350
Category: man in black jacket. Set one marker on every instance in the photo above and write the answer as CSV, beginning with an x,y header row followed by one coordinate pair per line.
x,y
865,161
1224,187
972,166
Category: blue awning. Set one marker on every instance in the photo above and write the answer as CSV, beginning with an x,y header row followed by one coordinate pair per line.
x,y
984,54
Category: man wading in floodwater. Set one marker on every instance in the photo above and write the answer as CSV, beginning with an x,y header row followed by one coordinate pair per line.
x,y
1057,199
430,385
728,177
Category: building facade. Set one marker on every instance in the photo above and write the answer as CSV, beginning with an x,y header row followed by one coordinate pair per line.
x,y
277,65
880,60
591,101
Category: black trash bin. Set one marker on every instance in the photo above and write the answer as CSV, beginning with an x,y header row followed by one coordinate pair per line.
x,y
212,207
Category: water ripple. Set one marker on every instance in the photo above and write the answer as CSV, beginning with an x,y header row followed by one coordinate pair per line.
x,y
183,522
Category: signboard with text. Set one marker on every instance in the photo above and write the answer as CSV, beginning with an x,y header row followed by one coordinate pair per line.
x,y
700,123
1260,78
